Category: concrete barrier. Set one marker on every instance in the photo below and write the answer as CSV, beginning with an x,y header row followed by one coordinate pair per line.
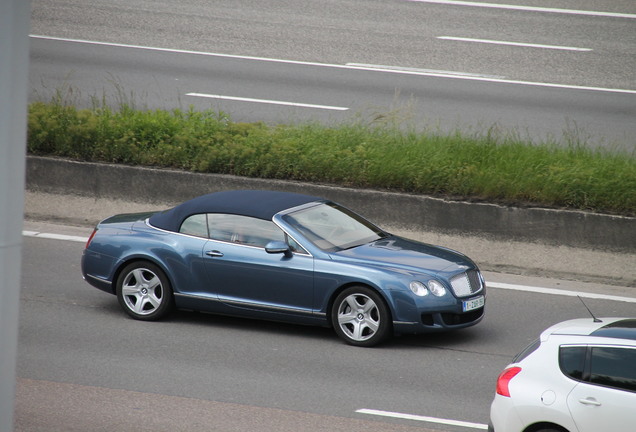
x,y
408,211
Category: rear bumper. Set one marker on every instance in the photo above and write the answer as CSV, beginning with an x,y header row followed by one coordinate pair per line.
x,y
101,284
504,416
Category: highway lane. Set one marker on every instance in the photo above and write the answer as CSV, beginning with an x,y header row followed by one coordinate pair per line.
x,y
383,32
271,90
71,333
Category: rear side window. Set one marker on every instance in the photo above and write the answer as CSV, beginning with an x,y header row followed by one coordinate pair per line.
x,y
614,367
196,225
572,361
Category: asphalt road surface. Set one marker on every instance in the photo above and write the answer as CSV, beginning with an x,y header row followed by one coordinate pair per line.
x,y
541,74
381,32
82,361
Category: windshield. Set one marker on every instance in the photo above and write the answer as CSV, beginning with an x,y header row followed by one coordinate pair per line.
x,y
332,227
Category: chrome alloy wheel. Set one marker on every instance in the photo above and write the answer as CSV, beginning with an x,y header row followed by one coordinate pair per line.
x,y
361,317
358,317
142,291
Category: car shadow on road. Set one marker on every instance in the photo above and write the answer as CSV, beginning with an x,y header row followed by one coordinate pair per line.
x,y
470,339
473,339
250,324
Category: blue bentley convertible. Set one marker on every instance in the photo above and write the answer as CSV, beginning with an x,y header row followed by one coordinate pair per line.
x,y
286,257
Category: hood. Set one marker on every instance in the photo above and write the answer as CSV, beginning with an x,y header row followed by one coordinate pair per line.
x,y
407,255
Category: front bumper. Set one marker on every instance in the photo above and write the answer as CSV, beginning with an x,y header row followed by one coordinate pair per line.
x,y
440,321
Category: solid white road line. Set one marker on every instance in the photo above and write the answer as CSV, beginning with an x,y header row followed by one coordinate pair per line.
x,y
422,71
518,44
485,78
266,101
555,291
529,8
55,236
388,69
423,418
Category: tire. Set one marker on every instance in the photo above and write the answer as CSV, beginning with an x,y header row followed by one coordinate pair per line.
x,y
360,317
144,292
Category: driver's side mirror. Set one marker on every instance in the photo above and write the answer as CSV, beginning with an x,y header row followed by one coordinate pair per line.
x,y
277,247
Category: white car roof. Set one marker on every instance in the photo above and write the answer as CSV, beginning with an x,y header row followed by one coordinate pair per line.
x,y
620,328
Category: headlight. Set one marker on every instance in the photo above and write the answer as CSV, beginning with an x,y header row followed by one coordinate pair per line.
x,y
418,288
436,288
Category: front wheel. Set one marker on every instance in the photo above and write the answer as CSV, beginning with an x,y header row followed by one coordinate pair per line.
x,y
360,317
144,292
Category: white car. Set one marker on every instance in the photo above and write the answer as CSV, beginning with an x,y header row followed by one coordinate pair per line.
x,y
579,376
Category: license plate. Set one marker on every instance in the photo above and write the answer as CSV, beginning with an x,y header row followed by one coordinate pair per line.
x,y
475,303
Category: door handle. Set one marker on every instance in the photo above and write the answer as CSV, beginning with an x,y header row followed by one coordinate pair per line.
x,y
590,401
214,253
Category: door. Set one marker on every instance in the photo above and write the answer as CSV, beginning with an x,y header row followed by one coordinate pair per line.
x,y
608,401
245,276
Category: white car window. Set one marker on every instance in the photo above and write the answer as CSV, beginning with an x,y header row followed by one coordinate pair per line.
x,y
614,367
572,361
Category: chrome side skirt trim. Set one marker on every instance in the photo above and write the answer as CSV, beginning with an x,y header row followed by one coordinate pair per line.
x,y
259,306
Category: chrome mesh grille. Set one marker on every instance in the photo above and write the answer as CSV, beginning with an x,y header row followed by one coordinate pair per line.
x,y
467,283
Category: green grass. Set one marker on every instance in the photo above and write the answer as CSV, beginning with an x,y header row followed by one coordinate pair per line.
x,y
489,167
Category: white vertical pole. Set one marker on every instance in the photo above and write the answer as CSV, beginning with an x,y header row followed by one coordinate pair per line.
x,y
14,61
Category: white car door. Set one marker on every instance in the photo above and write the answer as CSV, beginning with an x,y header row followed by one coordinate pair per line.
x,y
596,409
608,401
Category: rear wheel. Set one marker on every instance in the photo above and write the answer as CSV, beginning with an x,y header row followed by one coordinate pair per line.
x,y
144,292
360,317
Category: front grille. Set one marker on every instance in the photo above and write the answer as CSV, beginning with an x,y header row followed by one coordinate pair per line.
x,y
466,284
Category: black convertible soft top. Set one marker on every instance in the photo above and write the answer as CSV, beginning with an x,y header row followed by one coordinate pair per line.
x,y
260,204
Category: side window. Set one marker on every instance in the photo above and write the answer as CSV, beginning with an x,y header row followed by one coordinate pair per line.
x,y
196,225
614,367
572,361
222,227
243,230
258,232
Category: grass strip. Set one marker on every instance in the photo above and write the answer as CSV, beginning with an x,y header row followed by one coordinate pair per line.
x,y
488,167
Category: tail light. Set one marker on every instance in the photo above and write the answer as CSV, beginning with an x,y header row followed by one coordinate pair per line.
x,y
90,239
503,382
